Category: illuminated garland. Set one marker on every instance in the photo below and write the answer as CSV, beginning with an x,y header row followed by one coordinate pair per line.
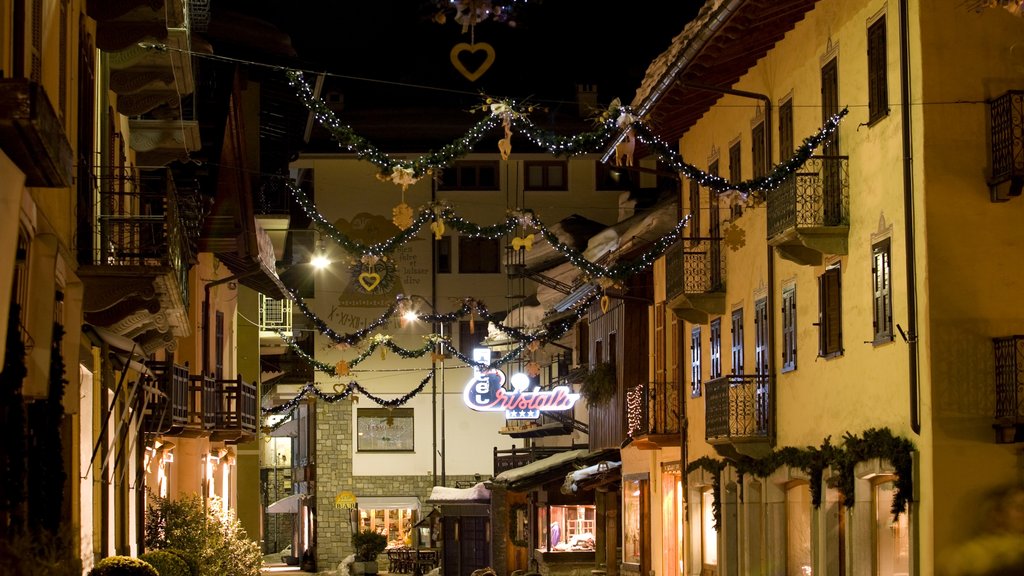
x,y
311,389
350,338
874,443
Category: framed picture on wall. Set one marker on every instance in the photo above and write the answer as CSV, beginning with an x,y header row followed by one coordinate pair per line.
x,y
384,430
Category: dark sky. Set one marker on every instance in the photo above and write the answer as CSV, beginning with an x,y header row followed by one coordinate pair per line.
x,y
391,52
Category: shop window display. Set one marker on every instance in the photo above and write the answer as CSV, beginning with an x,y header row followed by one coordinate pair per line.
x,y
566,528
394,523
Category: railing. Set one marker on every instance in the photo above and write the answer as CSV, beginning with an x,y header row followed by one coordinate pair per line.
x,y
694,267
139,225
817,195
1007,121
737,406
167,412
1009,379
518,457
275,315
202,397
652,408
235,408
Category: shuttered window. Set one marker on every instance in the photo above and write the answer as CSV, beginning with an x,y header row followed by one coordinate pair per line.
x,y
878,83
761,354
786,130
695,369
758,151
716,348
789,329
735,175
737,341
882,293
694,224
830,317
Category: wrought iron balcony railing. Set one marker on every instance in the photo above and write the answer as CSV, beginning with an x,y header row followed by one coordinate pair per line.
x,y
652,409
1009,383
1007,118
138,225
737,407
694,267
815,196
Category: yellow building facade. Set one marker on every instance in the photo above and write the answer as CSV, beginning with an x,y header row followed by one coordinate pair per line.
x,y
867,290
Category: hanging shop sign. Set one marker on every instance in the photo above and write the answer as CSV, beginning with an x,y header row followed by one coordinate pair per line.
x,y
486,392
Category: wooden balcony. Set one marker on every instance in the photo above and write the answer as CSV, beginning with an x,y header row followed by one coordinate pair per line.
x,y
652,415
32,134
135,262
1009,384
809,214
518,457
695,279
235,411
737,410
1007,138
167,412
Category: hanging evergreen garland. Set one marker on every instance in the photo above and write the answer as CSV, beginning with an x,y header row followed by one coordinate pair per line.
x,y
311,389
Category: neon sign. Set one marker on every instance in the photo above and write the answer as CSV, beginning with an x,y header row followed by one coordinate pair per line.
x,y
486,392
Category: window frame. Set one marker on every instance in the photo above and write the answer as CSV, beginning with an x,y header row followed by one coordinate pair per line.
x,y
363,415
789,343
736,173
878,72
696,375
546,166
716,348
762,350
881,290
830,312
473,261
786,142
736,334
457,168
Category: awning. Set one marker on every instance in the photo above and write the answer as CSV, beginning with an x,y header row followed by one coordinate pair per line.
x,y
289,428
552,469
387,502
286,505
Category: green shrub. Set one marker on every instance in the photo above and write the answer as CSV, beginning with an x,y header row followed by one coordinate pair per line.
x,y
123,566
368,544
166,563
189,559
210,533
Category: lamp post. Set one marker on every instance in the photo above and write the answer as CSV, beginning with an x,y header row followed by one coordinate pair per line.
x,y
436,328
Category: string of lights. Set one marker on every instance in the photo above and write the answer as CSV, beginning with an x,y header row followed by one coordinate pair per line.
x,y
351,388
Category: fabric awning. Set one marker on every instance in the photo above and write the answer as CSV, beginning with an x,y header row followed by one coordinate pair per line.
x,y
387,502
286,505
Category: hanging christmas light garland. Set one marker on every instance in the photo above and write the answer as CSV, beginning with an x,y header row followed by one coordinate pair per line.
x,y
352,387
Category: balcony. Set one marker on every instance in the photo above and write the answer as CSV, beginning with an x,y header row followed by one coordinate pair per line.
x,y
275,325
809,214
234,411
695,279
136,260
652,415
1009,381
167,411
553,423
32,134
738,414
1007,125
518,457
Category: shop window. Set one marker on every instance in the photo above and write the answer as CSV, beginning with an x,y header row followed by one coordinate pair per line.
x,y
892,536
798,529
394,520
708,531
634,499
566,528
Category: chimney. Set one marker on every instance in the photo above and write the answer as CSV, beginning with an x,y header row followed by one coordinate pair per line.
x,y
586,99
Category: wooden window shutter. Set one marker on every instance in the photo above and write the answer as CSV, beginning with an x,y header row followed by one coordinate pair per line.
x,y
830,315
878,96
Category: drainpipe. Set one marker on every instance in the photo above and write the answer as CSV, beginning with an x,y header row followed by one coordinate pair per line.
x,y
908,216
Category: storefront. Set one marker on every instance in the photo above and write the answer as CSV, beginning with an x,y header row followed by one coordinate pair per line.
x,y
392,516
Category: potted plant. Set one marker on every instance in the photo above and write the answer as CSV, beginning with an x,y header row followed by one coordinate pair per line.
x,y
598,384
367,545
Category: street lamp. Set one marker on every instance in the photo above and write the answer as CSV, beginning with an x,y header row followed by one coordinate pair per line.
x,y
437,328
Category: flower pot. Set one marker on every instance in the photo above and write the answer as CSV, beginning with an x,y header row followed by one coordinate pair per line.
x,y
369,567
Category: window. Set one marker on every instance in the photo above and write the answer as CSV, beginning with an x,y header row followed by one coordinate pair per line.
x,y
830,313
789,328
694,224
708,532
470,175
798,529
479,255
471,335
384,430
566,528
715,231
735,175
443,255
583,341
893,538
634,514
831,176
878,83
786,148
695,353
660,344
612,178
737,341
716,348
761,353
218,346
758,150
546,175
882,294
613,348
